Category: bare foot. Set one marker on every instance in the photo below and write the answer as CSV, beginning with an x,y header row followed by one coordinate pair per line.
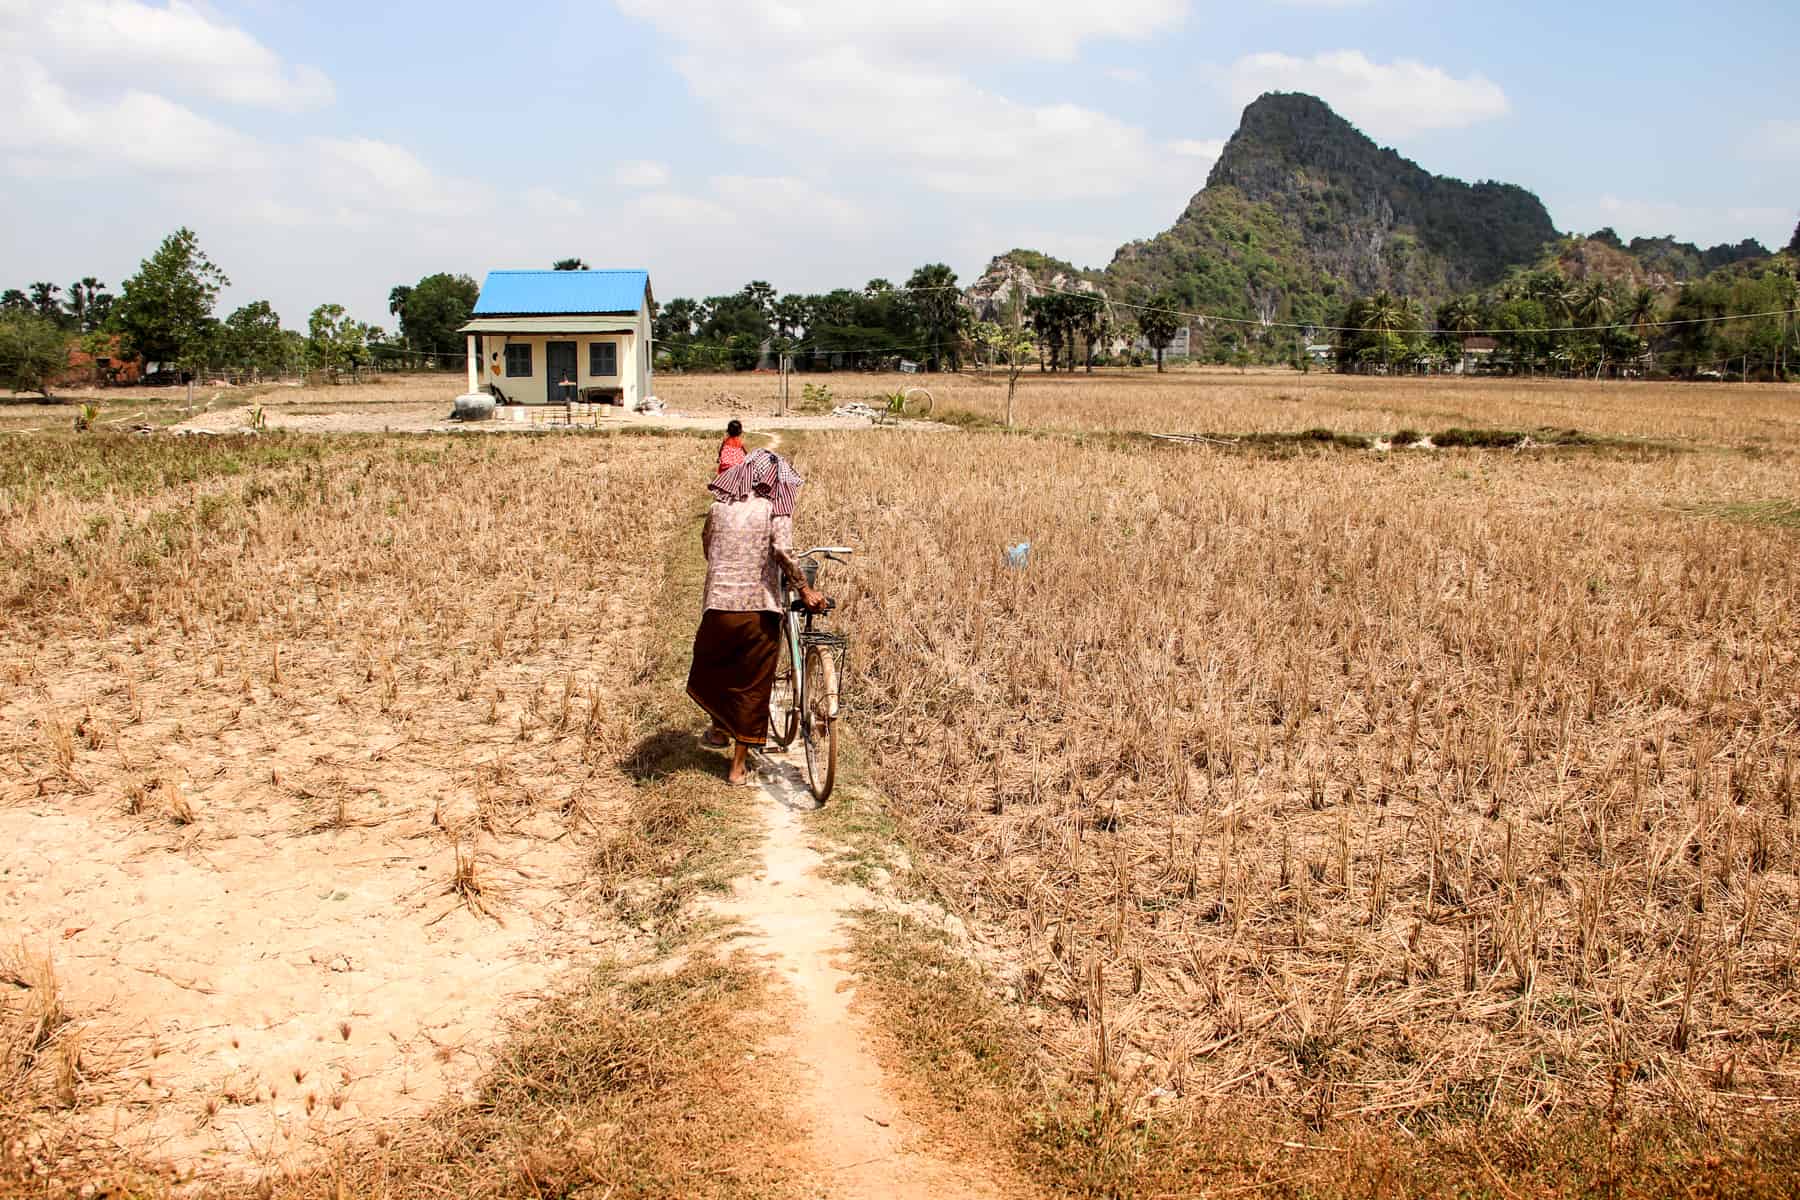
x,y
716,738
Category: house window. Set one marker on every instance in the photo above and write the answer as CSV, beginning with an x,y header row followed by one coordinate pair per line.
x,y
518,361
603,358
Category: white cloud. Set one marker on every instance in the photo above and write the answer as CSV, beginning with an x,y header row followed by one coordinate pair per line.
x,y
1129,76
177,48
1198,148
641,174
54,132
940,129
984,29
887,85
365,175
1386,100
774,202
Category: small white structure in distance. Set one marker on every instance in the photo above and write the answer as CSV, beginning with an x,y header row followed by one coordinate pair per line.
x,y
550,337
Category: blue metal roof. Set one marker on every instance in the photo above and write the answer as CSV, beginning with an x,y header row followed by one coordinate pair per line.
x,y
521,293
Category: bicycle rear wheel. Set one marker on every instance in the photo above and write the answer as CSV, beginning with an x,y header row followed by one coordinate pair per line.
x,y
784,707
818,728
917,403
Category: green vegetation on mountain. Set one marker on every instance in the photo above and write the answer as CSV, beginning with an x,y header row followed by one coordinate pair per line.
x,y
1303,212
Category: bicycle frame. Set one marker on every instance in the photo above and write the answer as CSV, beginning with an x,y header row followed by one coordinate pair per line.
x,y
808,649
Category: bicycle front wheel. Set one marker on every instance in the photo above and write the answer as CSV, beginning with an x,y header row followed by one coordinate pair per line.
x,y
917,403
784,700
819,723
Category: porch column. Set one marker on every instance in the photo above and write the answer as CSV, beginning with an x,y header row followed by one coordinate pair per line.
x,y
474,365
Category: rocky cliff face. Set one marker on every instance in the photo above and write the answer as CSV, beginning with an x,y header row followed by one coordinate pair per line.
x,y
1015,277
1368,216
1303,212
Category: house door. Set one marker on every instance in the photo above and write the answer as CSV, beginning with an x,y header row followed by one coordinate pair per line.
x,y
559,368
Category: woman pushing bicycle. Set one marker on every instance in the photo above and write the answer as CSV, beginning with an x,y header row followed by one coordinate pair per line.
x,y
749,542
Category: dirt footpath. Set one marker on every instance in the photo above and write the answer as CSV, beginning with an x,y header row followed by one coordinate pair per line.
x,y
863,1145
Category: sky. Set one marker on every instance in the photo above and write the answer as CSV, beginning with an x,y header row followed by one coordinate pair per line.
x,y
326,151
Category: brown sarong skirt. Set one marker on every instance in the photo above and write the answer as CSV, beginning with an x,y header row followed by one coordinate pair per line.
x,y
734,669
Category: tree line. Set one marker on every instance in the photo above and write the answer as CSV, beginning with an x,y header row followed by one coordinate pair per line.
x,y
1736,322
164,317
926,320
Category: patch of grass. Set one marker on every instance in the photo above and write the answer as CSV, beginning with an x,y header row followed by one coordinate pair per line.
x,y
1507,439
861,838
962,418
625,1086
129,465
687,830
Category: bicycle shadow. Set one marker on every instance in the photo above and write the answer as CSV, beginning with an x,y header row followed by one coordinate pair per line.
x,y
783,778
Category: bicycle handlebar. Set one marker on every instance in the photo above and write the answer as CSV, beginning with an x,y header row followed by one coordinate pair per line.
x,y
827,551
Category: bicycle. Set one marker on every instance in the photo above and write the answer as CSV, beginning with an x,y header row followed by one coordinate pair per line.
x,y
807,698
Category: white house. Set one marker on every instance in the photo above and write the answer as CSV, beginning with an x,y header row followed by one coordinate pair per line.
x,y
544,337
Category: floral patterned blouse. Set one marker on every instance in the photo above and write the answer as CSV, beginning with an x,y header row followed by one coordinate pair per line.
x,y
740,539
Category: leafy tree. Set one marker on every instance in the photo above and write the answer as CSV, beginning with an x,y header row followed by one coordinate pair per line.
x,y
937,308
14,301
335,339
1376,327
1010,345
397,297
165,310
1793,246
675,321
569,264
436,308
739,315
252,338
33,351
1160,322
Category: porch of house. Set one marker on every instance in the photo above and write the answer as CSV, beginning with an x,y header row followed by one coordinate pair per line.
x,y
588,364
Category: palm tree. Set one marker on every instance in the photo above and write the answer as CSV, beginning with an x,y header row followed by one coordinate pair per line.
x,y
569,264
1384,316
1594,306
83,294
43,298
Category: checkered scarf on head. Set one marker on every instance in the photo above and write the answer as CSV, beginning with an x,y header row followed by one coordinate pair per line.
x,y
764,473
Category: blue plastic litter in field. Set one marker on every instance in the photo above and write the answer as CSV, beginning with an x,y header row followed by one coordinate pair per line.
x,y
1017,556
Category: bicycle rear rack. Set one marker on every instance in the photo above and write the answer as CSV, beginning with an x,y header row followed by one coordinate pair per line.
x,y
838,647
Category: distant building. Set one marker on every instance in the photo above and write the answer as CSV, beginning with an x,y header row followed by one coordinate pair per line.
x,y
1477,355
546,337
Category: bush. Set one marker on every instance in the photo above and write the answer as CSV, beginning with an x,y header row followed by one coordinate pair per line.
x,y
33,351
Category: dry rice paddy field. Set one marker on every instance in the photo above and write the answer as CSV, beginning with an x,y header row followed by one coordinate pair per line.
x,y
1311,820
